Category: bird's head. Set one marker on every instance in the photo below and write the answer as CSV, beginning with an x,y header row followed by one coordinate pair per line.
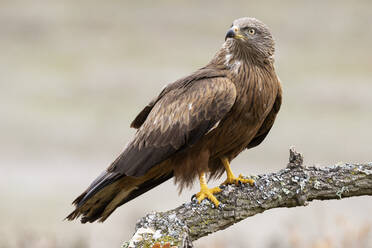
x,y
251,35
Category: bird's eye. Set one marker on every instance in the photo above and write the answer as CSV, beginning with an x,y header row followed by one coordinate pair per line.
x,y
251,31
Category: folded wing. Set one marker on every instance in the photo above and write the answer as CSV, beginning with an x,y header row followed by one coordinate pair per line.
x,y
177,120
183,113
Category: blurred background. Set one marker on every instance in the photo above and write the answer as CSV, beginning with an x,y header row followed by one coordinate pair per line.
x,y
74,73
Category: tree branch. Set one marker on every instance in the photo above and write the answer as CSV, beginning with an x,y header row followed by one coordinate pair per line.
x,y
290,187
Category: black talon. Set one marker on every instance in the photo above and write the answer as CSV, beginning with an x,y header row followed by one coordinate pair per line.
x,y
193,197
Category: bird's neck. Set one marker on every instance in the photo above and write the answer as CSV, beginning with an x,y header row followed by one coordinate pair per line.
x,y
232,55
243,69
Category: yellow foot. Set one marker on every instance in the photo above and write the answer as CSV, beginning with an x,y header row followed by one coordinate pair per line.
x,y
206,192
238,180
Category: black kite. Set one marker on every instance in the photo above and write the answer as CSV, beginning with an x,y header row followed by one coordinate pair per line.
x,y
196,125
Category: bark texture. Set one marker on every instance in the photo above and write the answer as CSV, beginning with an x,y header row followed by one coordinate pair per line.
x,y
290,187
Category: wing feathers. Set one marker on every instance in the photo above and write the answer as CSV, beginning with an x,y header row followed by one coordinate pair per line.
x,y
180,118
182,114
204,73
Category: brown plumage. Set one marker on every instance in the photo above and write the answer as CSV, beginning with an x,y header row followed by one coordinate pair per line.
x,y
213,114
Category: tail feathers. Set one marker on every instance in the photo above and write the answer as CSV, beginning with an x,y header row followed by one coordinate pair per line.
x,y
103,180
108,192
126,195
146,186
91,203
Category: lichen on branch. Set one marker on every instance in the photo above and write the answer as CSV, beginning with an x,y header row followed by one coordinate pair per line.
x,y
290,187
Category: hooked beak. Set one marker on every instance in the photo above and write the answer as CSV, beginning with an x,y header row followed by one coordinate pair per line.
x,y
234,33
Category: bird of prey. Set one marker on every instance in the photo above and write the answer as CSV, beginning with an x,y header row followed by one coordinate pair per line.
x,y
196,125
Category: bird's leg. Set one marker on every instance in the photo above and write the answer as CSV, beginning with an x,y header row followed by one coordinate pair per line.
x,y
206,192
231,179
